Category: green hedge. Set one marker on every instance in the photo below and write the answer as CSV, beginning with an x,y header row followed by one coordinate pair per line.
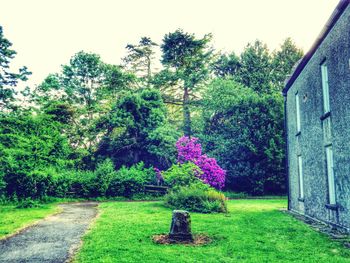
x,y
104,181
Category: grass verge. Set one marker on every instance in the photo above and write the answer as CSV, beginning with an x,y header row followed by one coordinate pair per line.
x,y
13,219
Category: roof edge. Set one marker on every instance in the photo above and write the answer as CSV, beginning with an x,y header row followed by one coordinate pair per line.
x,y
340,8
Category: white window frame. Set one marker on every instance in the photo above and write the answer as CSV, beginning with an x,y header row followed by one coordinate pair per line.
x,y
330,175
325,88
301,177
297,109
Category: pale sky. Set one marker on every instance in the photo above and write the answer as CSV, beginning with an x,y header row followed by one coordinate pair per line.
x,y
46,33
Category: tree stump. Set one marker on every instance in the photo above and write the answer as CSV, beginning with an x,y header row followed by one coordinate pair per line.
x,y
180,229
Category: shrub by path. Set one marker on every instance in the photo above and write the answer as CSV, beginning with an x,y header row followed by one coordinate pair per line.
x,y
51,240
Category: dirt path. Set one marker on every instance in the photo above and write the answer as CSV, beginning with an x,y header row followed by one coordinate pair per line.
x,y
51,240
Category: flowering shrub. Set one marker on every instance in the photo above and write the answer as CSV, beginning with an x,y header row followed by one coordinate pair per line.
x,y
189,149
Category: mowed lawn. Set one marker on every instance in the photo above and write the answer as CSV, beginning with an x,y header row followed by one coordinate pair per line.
x,y
253,231
13,219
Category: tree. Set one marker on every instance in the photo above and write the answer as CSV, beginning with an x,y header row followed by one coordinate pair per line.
x,y
88,86
283,62
137,131
255,67
226,65
243,130
139,58
116,81
8,79
83,79
186,60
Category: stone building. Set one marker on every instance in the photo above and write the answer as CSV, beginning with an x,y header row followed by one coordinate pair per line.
x,y
317,107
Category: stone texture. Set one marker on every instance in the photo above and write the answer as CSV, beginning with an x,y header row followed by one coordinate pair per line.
x,y
180,229
335,49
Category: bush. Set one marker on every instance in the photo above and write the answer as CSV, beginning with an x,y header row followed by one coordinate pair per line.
x,y
80,183
197,198
72,183
130,181
181,175
190,150
42,182
2,185
28,203
39,184
104,174
83,183
104,181
28,145
62,182
29,184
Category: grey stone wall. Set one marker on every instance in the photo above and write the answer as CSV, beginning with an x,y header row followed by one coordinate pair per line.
x,y
335,49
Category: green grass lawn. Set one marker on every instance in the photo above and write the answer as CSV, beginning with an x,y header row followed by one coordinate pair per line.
x,y
13,219
253,231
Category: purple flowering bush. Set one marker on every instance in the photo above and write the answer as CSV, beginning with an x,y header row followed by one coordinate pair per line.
x,y
192,179
190,150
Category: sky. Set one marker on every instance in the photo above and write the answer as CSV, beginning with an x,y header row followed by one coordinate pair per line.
x,y
47,33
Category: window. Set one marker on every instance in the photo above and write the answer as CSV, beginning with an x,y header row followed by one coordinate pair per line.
x,y
297,108
327,131
325,88
330,175
301,177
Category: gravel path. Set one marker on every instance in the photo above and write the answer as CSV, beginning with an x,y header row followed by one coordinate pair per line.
x,y
51,240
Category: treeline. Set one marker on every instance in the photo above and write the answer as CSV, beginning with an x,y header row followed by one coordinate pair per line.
x,y
91,111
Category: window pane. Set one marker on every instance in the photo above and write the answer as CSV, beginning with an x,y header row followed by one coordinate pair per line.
x,y
325,88
330,175
301,177
327,130
297,107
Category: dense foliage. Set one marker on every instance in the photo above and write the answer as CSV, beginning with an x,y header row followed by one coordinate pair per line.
x,y
85,88
244,131
179,175
29,144
131,181
137,130
96,129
